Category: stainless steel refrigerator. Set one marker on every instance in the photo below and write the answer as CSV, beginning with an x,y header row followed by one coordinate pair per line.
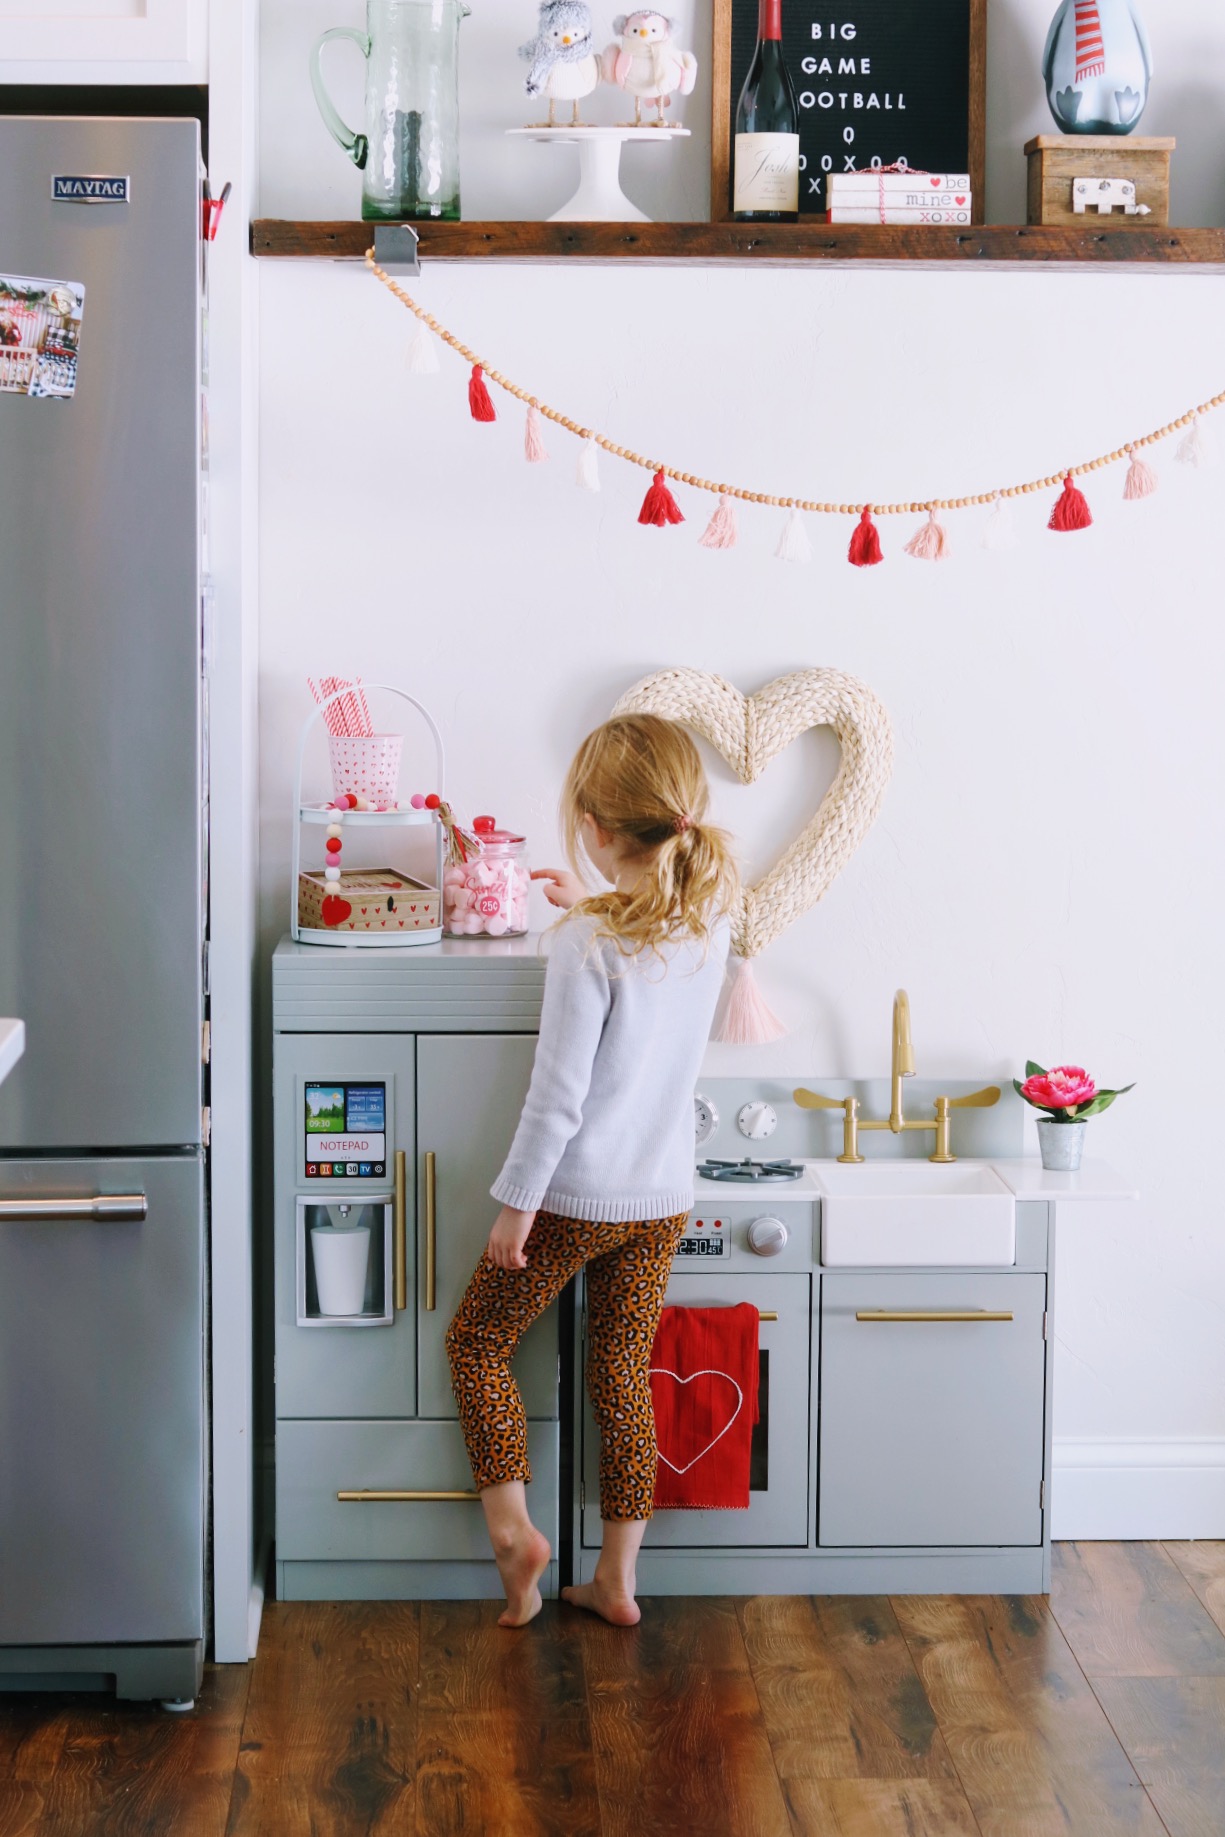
x,y
103,907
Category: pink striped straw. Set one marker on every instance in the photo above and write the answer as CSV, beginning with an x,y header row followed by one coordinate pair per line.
x,y
367,726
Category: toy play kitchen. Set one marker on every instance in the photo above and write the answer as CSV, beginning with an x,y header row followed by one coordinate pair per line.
x,y
903,1293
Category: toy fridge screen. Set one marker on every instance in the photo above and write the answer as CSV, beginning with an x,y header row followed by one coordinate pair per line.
x,y
346,1131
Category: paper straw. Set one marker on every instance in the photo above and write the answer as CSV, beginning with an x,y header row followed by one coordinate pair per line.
x,y
367,723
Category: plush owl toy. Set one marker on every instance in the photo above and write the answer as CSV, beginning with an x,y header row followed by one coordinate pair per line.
x,y
648,64
565,67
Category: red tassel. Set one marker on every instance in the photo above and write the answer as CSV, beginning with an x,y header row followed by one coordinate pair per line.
x,y
865,550
479,398
659,506
1071,510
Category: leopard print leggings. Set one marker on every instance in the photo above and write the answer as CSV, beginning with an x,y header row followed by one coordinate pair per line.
x,y
627,1272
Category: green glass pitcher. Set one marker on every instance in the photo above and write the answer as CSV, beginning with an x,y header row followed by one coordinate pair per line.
x,y
409,152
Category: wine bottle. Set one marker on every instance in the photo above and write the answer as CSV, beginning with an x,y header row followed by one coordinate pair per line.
x,y
766,182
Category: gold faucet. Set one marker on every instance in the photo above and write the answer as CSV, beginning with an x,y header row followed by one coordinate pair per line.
x,y
901,1066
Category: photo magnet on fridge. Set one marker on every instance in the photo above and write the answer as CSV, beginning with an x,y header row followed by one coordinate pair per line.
x,y
40,335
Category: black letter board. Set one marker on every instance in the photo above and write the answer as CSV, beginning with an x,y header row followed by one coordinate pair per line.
x,y
878,81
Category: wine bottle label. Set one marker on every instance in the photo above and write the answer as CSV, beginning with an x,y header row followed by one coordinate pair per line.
x,y
767,172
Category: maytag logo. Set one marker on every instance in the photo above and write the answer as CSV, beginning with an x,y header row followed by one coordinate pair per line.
x,y
68,188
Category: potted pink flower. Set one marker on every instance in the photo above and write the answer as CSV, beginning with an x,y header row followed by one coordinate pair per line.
x,y
1067,1096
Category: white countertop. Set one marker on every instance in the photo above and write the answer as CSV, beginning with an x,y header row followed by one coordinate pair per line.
x,y
1026,1179
12,1045
1096,1180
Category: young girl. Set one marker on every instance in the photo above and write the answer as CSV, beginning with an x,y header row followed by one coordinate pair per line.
x,y
601,1168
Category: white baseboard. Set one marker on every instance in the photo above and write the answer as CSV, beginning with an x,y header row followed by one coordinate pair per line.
x,y
1129,1489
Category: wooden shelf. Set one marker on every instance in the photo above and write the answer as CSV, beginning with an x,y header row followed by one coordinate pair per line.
x,y
992,245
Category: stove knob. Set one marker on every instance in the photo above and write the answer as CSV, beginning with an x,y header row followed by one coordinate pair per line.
x,y
767,1236
756,1120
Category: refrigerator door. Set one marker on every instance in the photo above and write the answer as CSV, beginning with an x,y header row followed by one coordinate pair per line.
x,y
101,1405
100,683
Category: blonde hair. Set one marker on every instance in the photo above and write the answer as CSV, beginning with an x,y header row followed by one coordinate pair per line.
x,y
641,780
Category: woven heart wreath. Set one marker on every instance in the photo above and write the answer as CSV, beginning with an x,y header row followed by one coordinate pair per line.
x,y
751,730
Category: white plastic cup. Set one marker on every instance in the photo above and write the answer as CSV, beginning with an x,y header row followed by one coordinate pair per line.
x,y
368,765
342,1256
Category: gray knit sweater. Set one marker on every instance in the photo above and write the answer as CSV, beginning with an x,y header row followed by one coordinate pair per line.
x,y
607,1125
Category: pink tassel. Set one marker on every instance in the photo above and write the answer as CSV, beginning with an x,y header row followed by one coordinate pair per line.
x,y
659,506
748,1019
865,549
929,542
1071,509
533,440
1141,480
721,531
479,399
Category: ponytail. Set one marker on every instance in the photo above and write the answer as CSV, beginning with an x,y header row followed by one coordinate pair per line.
x,y
641,778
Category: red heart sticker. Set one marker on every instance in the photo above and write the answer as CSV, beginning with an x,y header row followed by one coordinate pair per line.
x,y
959,200
335,911
935,182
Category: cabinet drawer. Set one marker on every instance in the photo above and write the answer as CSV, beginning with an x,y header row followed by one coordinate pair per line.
x,y
317,1460
931,1429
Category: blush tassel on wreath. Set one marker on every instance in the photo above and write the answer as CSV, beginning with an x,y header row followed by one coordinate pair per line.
x,y
748,1019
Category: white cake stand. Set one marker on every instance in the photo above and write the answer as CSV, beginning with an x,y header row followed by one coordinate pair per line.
x,y
599,198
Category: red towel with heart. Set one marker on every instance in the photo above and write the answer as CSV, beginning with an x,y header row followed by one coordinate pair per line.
x,y
704,1385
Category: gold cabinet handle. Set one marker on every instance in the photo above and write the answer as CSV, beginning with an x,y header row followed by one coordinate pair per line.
x,y
959,1314
764,1315
117,1208
368,1498
399,1247
431,1232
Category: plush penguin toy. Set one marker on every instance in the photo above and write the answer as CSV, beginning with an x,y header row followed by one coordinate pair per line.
x,y
565,67
648,64
1097,66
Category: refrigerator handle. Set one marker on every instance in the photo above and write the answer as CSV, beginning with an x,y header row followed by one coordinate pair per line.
x,y
104,1208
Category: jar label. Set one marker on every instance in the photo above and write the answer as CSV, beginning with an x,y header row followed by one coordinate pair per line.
x,y
767,172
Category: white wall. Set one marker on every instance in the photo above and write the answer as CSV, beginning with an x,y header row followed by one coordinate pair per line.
x,y
1044,878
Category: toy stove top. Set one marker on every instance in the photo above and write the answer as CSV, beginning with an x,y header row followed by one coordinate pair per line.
x,y
749,1172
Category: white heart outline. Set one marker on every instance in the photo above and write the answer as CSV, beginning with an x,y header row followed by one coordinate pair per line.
x,y
751,730
709,1372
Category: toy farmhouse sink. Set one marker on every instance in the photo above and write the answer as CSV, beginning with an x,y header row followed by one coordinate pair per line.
x,y
913,1213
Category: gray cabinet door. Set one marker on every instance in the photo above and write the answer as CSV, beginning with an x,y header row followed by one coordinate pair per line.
x,y
777,1514
102,1408
931,1431
470,1090
340,1370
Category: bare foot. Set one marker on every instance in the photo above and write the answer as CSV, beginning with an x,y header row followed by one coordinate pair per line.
x,y
521,1567
620,1610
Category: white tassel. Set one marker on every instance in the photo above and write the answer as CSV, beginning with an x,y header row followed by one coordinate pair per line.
x,y
1197,448
793,544
1000,530
534,449
589,465
748,1019
423,353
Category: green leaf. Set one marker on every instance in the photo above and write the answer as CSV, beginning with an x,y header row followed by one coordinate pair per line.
x,y
1102,1101
1033,1070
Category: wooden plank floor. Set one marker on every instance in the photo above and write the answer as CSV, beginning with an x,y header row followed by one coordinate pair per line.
x,y
1098,1713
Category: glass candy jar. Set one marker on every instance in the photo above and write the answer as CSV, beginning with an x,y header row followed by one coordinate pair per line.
x,y
487,896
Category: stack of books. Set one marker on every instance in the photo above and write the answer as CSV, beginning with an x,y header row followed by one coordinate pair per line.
x,y
898,197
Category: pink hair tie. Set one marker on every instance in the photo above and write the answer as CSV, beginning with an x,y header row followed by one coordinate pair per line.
x,y
683,823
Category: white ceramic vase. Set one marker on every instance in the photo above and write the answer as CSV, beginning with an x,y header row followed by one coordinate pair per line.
x,y
342,1256
1061,1144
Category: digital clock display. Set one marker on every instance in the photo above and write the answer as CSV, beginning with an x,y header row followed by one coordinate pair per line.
x,y
693,1246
